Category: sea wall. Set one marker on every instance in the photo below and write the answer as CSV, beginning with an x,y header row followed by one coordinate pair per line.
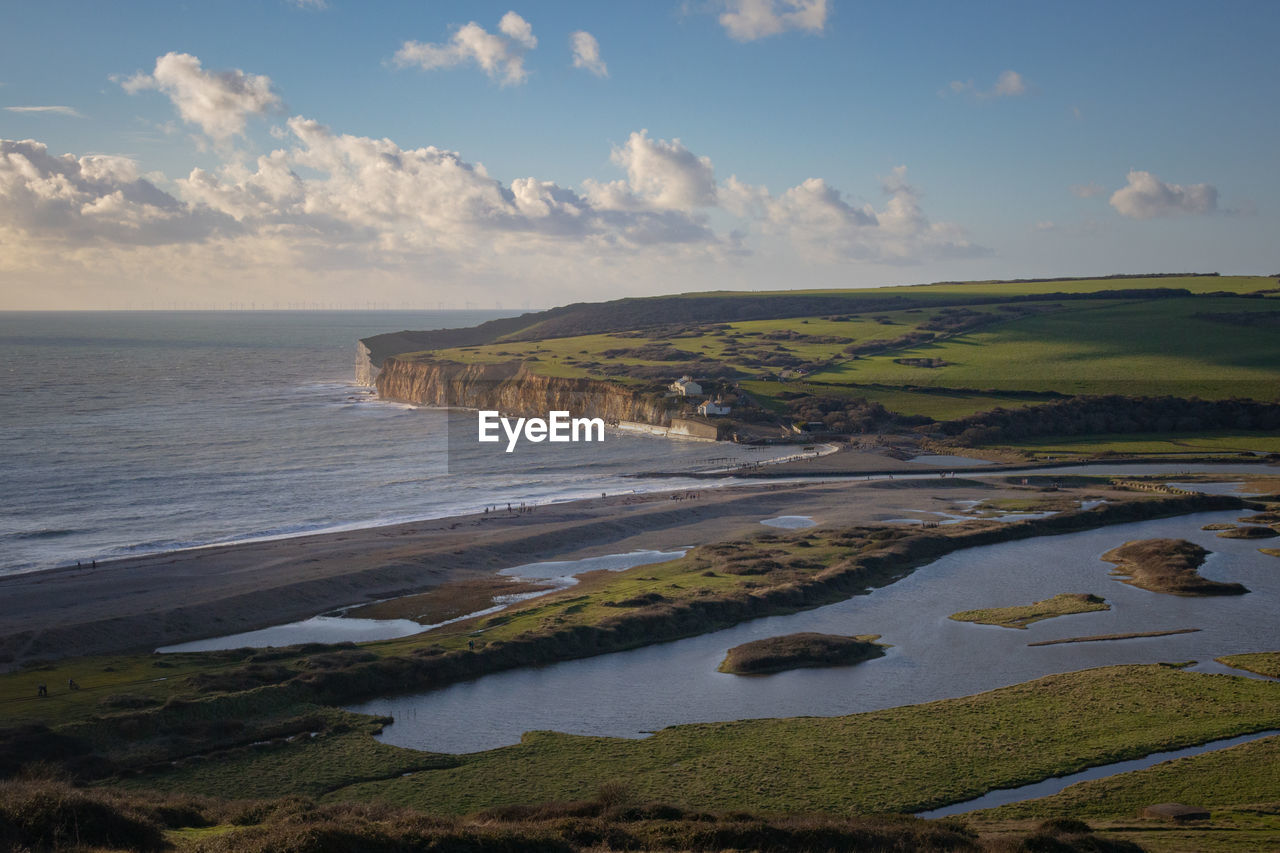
x,y
513,390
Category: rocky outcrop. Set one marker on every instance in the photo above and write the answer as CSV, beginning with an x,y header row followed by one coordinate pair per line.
x,y
514,390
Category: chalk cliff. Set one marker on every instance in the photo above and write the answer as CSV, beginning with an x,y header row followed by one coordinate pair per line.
x,y
513,390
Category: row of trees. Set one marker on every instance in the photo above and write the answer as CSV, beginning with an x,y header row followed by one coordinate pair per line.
x,y
1113,414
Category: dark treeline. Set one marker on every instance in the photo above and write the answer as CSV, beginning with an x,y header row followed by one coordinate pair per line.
x,y
1113,414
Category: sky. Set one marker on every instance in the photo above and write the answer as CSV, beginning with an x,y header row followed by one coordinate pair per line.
x,y
353,154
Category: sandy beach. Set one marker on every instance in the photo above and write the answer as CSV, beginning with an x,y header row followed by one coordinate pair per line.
x,y
141,603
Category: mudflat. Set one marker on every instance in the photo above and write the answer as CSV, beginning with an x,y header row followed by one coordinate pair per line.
x,y
140,603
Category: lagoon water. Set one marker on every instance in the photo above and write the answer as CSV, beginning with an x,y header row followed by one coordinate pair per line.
x,y
127,433
628,694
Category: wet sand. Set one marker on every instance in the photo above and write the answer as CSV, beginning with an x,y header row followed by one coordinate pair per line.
x,y
141,603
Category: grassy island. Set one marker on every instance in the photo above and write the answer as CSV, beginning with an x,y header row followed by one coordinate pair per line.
x,y
794,651
1249,533
1270,552
1169,566
1261,663
1022,615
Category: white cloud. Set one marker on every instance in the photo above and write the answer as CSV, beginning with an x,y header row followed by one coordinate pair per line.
x,y
1089,190
1009,84
518,29
666,174
501,56
314,5
92,199
820,222
371,195
54,109
586,53
218,102
345,209
748,20
1146,197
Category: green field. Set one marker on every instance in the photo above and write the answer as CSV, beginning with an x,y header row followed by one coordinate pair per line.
x,y
898,760
1248,773
1194,444
1139,348
944,351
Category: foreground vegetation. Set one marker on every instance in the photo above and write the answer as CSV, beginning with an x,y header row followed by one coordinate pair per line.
x,y
1020,616
51,815
902,759
260,723
1244,774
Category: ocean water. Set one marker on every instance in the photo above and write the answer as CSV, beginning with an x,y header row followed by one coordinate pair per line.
x,y
126,433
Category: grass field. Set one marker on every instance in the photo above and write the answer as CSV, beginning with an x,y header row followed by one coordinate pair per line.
x,y
1196,444
1248,773
902,759
1143,347
981,355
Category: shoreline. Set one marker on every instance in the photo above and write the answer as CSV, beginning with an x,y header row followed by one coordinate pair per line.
x,y
142,603
137,604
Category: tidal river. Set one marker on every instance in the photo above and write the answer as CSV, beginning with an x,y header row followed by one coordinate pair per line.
x,y
629,694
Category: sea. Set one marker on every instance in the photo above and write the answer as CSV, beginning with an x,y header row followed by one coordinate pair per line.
x,y
131,433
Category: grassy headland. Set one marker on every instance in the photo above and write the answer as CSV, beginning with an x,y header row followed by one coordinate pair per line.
x,y
1020,616
794,651
901,358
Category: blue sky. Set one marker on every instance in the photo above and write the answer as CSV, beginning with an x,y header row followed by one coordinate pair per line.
x,y
717,144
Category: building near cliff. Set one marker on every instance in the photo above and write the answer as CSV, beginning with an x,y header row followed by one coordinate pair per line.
x,y
686,387
709,409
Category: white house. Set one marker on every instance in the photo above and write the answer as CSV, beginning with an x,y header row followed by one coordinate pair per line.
x,y
686,387
709,409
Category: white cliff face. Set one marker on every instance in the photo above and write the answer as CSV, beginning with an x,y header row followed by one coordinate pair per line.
x,y
513,390
366,372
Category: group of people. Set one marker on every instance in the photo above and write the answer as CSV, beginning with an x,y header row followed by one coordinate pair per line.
x,y
43,689
519,508
685,496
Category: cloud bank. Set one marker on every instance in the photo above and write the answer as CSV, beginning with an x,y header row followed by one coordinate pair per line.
x,y
325,204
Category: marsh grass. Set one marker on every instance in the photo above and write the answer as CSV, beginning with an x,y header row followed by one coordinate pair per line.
x,y
1020,616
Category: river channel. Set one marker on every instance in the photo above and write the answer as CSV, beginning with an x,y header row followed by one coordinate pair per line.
x,y
630,694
